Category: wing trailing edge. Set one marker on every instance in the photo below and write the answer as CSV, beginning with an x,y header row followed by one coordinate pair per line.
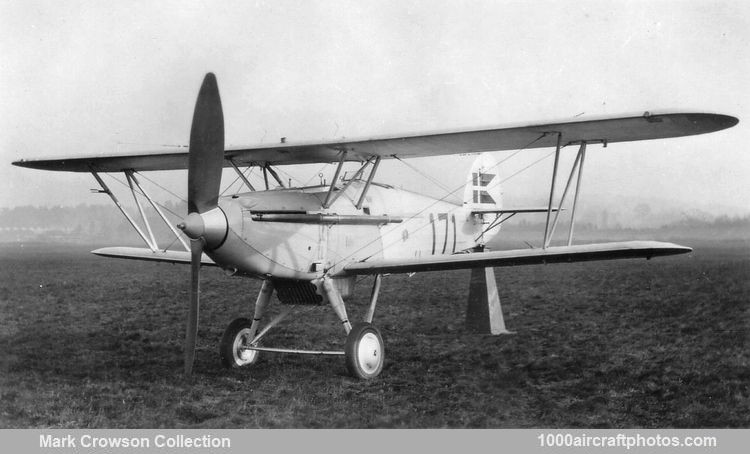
x,y
517,257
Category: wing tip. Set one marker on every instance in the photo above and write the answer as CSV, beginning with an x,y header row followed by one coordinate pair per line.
x,y
659,248
713,121
679,250
676,249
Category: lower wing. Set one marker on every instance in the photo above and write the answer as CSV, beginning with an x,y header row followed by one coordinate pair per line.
x,y
516,257
137,253
559,254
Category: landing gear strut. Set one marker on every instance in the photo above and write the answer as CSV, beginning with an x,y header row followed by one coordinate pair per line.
x,y
364,351
241,332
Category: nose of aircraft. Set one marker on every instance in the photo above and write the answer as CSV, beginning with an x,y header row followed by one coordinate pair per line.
x,y
211,225
193,226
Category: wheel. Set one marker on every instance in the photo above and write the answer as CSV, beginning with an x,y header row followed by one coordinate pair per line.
x,y
236,336
364,351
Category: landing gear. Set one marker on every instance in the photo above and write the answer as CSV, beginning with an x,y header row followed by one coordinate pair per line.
x,y
241,333
364,351
232,349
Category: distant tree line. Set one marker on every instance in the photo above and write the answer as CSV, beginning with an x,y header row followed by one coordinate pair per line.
x,y
104,223
83,222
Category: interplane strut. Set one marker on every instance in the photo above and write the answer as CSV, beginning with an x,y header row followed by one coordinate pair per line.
x,y
577,167
134,184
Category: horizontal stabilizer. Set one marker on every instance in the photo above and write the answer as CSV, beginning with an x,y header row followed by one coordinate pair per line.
x,y
516,257
513,210
135,253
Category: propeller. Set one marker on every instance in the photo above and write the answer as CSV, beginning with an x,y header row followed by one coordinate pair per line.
x,y
205,224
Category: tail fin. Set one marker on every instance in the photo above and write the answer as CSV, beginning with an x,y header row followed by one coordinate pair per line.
x,y
483,189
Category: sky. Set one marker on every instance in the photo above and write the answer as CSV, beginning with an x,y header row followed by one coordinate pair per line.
x,y
92,77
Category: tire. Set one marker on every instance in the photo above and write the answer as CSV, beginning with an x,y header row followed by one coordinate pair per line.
x,y
364,351
234,337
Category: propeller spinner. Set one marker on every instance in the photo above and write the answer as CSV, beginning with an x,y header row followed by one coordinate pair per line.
x,y
206,224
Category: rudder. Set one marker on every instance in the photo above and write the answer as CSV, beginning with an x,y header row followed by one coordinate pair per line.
x,y
483,190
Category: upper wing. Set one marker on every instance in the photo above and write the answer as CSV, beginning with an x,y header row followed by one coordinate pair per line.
x,y
609,130
560,254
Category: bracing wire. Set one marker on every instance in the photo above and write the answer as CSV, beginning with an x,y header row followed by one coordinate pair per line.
x,y
230,186
249,171
159,186
445,188
442,199
527,167
423,174
288,175
161,205
448,194
307,183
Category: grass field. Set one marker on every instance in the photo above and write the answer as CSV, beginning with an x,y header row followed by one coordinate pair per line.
x,y
89,342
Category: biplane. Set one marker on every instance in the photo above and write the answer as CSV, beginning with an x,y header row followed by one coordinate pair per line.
x,y
308,244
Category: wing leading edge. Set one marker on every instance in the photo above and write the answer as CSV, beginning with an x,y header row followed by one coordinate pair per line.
x,y
609,130
559,254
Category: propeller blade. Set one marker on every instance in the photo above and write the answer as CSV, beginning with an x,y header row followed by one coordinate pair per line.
x,y
191,332
205,162
206,157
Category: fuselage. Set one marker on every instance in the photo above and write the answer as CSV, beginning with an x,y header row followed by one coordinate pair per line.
x,y
391,224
